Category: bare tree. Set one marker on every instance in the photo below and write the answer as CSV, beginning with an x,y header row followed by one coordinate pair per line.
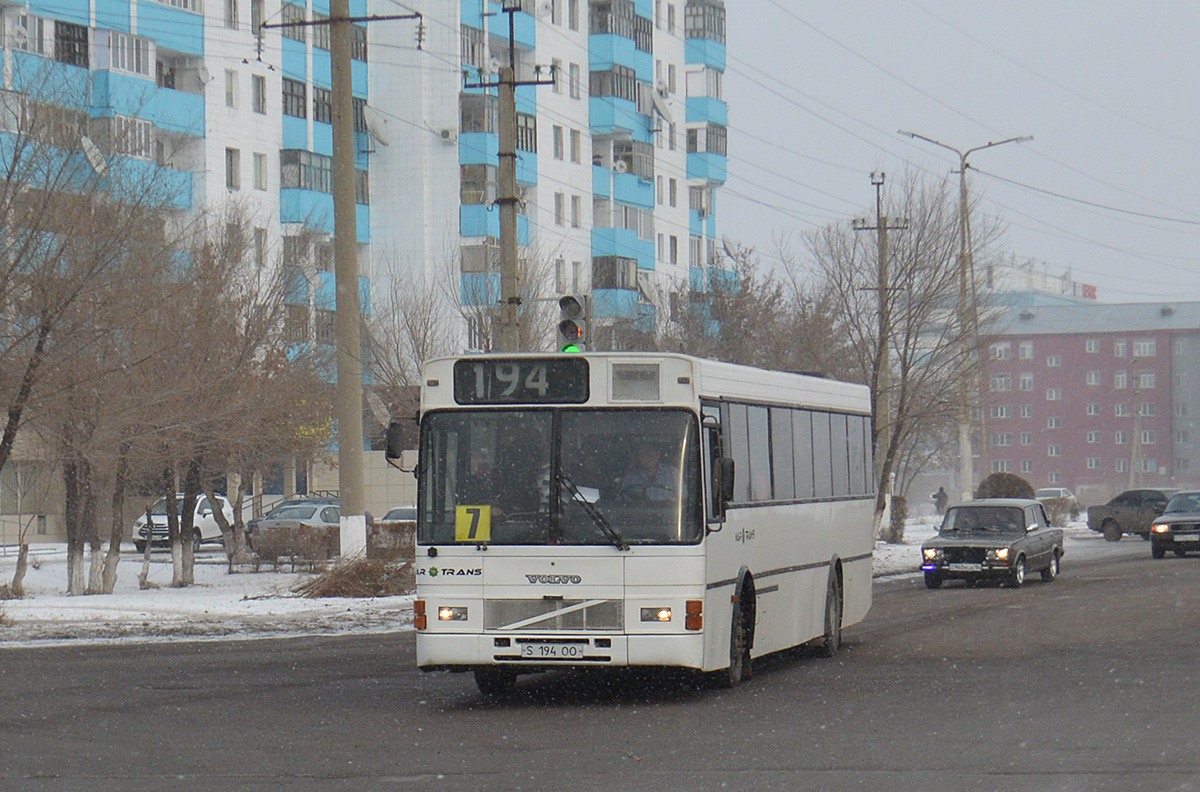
x,y
928,352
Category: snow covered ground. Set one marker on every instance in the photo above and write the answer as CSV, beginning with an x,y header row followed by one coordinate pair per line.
x,y
249,604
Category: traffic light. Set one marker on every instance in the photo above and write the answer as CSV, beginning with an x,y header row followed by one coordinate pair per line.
x,y
572,325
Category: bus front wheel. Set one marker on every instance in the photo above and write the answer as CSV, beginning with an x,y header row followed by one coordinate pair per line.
x,y
831,641
739,646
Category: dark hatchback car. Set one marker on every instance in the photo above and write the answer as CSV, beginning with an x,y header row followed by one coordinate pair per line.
x,y
1178,528
999,539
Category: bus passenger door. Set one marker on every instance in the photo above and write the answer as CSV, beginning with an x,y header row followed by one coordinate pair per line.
x,y
714,507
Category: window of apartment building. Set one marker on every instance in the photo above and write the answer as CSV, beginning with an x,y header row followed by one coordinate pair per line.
x,y
1000,439
1054,478
1002,466
1091,345
1025,350
34,30
576,146
556,73
1054,394
292,13
710,138
560,208
71,44
126,53
1093,409
1144,348
614,272
362,187
258,94
526,132
1025,381
674,247
1181,436
1001,350
560,275
230,88
576,211
619,82
322,104
1026,410
256,16
480,113
305,170
620,18
1146,408
1026,465
1000,382
320,33
673,192
1120,380
1149,465
233,168
704,20
260,171
1121,409
1093,437
231,14
671,78
660,194
358,42
481,258
474,47
295,98
636,157
260,247
133,137
1145,380
1054,423
1054,361
1092,378
1093,463
477,184
706,82
1179,345
556,136
1149,437
1119,349
573,80
1122,466
1001,411
671,136
573,14
1026,438
1121,437
1054,450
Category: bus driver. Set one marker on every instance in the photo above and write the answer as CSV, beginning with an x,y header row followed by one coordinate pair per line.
x,y
651,479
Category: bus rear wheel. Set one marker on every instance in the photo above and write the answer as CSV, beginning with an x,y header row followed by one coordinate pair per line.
x,y
831,641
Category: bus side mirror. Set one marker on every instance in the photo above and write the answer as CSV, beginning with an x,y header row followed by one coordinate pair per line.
x,y
395,441
725,480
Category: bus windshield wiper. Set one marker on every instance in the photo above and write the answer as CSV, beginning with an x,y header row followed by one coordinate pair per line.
x,y
590,509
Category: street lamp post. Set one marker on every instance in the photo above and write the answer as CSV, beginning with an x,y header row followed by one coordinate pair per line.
x,y
966,306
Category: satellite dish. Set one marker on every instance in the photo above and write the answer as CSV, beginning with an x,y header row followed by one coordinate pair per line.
x,y
620,167
203,75
493,66
545,9
95,157
20,37
376,125
660,104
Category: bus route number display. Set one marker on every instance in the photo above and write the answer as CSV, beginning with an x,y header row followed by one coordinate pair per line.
x,y
521,381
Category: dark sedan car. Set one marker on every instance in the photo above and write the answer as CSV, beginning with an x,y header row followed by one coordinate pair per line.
x,y
1178,528
1000,539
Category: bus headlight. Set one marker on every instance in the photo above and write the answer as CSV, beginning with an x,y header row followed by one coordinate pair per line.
x,y
446,613
656,614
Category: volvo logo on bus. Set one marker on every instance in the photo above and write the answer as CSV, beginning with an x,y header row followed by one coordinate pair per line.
x,y
554,579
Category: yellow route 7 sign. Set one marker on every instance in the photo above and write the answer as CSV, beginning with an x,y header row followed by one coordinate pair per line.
x,y
473,523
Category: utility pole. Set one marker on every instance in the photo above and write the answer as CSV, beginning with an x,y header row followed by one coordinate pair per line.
x,y
967,319
507,336
881,375
348,311
1135,442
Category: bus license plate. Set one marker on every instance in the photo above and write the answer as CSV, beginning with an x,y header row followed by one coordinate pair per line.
x,y
963,567
553,651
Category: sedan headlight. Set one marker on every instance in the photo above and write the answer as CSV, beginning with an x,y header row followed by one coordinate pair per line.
x,y
933,554
998,554
1160,528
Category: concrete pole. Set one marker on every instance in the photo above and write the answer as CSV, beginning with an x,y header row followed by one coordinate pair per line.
x,y
508,338
347,318
966,473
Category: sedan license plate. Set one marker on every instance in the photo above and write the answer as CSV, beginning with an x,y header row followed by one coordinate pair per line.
x,y
1187,537
964,567
553,651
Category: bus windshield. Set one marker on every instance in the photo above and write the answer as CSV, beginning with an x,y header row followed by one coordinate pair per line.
x,y
562,476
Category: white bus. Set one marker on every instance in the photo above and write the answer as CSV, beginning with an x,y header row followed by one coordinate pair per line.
x,y
636,509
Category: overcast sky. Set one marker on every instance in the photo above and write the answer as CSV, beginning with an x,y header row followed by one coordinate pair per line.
x,y
818,89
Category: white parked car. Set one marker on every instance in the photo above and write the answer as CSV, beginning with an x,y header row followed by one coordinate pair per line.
x,y
1055,493
204,526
